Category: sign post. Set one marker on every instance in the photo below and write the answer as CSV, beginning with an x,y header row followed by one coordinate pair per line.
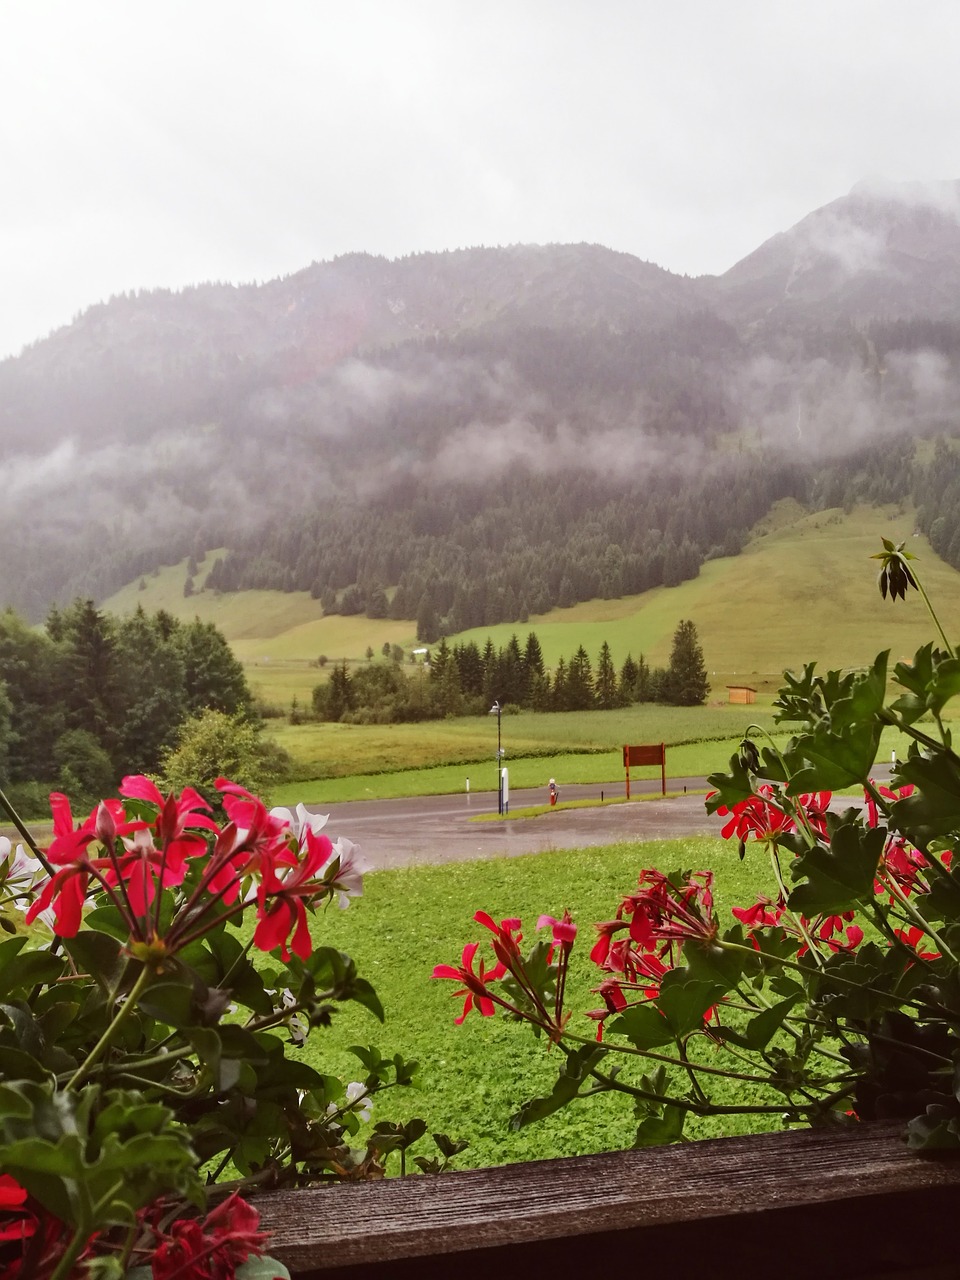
x,y
656,754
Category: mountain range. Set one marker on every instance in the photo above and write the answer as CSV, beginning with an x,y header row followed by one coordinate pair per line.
x,y
370,426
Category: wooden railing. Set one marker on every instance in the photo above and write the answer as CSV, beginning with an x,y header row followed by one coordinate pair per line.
x,y
807,1205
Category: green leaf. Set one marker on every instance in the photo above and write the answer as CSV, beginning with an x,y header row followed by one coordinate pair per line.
x,y
98,954
730,788
169,1002
937,1129
363,993
17,1064
644,1026
761,1029
573,1075
707,961
21,973
683,1000
934,808
25,1028
839,876
657,1131
207,1045
263,1268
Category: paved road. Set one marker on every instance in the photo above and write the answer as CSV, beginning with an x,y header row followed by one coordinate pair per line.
x,y
425,829
398,833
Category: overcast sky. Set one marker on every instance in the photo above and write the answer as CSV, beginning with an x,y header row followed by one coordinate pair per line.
x,y
146,144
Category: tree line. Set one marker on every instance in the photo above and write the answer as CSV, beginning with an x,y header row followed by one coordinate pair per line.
x,y
93,697
462,679
462,556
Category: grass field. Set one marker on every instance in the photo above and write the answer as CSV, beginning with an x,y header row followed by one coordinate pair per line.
x,y
473,1077
338,750
803,589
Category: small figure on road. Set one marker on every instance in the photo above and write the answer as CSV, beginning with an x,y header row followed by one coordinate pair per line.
x,y
553,792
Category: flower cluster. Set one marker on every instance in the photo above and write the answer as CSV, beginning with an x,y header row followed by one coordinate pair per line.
x,y
144,1053
34,1243
832,996
759,818
281,862
528,990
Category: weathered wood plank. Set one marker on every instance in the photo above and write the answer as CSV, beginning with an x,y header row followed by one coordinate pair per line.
x,y
855,1203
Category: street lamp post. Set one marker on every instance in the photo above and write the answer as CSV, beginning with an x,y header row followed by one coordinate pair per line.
x,y
495,710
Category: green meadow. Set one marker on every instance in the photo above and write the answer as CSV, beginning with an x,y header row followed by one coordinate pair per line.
x,y
803,589
473,1077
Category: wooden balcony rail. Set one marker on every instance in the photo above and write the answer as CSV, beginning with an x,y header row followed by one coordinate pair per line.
x,y
806,1205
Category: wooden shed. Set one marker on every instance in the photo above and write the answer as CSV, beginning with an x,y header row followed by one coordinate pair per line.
x,y
741,694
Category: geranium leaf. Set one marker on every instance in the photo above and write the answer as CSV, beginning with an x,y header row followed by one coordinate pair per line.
x,y
263,1268
841,875
934,808
644,1026
99,954
573,1075
658,1131
683,1001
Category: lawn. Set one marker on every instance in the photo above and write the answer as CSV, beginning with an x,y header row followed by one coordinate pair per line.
x,y
473,1077
340,750
597,766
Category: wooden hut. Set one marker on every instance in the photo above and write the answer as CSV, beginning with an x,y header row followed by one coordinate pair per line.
x,y
741,695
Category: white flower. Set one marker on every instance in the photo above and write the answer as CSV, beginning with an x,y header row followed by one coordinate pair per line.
x,y
349,877
301,821
20,872
356,1091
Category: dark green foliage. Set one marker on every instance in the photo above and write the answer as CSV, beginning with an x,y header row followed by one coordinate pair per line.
x,y
97,697
686,683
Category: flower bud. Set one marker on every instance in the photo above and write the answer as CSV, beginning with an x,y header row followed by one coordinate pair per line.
x,y
105,828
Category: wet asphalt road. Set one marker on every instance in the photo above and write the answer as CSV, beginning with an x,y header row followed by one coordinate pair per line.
x,y
435,829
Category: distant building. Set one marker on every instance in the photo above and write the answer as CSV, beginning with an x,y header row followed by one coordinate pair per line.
x,y
741,694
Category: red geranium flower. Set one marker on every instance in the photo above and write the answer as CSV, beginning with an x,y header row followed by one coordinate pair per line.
x,y
474,989
281,895
212,1249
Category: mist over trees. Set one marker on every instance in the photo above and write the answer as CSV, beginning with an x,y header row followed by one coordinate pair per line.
x,y
467,438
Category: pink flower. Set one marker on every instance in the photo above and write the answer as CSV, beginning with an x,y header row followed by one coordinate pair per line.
x,y
506,946
564,931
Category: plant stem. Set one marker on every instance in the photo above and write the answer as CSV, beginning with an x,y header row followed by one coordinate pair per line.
x,y
119,1018
18,823
917,918
64,1268
932,612
797,919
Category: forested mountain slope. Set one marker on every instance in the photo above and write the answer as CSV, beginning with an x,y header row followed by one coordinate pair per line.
x,y
467,437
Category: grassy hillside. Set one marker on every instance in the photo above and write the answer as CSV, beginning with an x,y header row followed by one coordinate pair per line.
x,y
803,589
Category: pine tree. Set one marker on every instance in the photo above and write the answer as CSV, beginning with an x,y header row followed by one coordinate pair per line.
x,y
627,688
686,682
580,682
605,684
559,697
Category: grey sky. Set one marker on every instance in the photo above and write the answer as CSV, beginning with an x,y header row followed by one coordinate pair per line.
x,y
146,144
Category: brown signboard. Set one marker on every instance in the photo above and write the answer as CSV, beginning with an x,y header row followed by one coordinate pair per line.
x,y
655,753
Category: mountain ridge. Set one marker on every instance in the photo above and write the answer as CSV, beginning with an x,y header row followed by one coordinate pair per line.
x,y
165,423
